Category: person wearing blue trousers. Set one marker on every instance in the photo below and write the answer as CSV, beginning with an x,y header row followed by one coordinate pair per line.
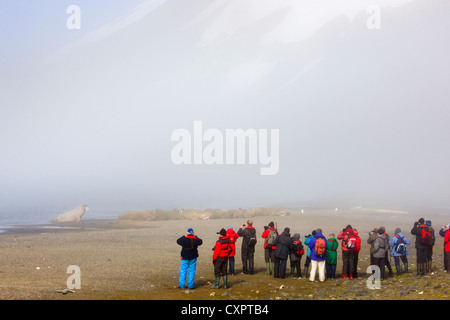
x,y
400,253
189,254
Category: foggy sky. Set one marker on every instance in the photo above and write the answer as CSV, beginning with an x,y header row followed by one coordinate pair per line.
x,y
363,115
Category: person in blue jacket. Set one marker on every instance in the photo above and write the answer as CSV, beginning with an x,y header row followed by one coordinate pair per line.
x,y
399,250
317,260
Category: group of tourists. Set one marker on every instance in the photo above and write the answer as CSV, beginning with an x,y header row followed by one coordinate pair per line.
x,y
320,252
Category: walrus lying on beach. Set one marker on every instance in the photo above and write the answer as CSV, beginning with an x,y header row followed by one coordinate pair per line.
x,y
72,215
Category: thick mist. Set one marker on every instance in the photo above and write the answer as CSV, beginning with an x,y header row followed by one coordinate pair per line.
x,y
363,114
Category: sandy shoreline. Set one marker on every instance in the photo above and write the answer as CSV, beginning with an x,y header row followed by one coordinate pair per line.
x,y
140,259
84,225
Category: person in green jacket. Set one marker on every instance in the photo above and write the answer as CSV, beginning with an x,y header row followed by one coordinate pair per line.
x,y
331,262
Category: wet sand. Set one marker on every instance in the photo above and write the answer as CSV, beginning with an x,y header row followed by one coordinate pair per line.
x,y
121,259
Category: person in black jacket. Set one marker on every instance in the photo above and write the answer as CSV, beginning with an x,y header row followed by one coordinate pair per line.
x,y
248,234
430,246
421,245
284,245
189,254
295,256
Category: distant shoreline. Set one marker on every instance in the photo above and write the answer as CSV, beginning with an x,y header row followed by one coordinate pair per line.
x,y
120,222
84,225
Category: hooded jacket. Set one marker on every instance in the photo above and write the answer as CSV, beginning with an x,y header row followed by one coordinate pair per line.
x,y
344,235
307,242
189,245
332,246
296,246
380,246
445,233
443,230
447,241
222,248
396,239
233,237
371,240
284,245
416,230
312,245
265,235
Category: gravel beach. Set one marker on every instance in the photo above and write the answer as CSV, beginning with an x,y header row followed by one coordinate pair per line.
x,y
122,259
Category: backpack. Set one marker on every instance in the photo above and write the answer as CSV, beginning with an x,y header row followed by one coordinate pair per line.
x,y
425,236
298,249
320,247
272,237
251,236
350,243
400,246
334,245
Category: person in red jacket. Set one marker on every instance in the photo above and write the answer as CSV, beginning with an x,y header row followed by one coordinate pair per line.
x,y
269,248
233,237
447,250
349,241
356,253
445,233
222,250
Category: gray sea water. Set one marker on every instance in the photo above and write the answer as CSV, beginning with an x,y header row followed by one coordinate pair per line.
x,y
36,215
